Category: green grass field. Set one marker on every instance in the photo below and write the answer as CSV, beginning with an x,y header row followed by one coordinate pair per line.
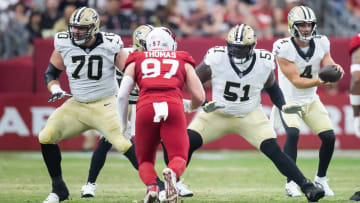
x,y
214,176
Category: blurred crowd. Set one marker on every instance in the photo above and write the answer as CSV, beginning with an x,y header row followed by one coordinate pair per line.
x,y
23,20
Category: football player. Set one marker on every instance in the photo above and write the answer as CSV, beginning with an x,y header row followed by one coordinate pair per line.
x,y
99,155
238,72
299,58
161,73
354,52
90,58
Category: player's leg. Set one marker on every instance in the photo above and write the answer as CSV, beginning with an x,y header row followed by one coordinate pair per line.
x,y
107,122
175,140
89,141
147,139
291,124
318,120
62,123
97,162
256,129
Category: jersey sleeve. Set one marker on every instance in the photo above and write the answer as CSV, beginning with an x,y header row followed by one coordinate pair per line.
x,y
325,43
354,43
282,49
188,58
113,41
61,40
132,57
213,57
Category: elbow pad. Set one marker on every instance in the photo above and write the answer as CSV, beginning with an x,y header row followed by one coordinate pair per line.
x,y
51,73
276,95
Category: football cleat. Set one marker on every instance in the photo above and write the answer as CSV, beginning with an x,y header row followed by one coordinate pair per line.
x,y
52,198
291,189
355,197
88,190
183,190
322,182
170,185
312,192
152,194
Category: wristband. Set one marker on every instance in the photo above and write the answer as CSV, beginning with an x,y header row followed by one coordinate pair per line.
x,y
354,100
55,88
354,67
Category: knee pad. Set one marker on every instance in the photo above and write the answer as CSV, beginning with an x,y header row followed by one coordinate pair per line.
x,y
327,136
121,144
47,136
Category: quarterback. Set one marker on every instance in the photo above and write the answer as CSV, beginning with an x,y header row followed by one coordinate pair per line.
x,y
90,58
299,58
238,72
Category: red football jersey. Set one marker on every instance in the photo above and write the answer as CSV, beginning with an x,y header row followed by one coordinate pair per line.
x,y
160,75
354,43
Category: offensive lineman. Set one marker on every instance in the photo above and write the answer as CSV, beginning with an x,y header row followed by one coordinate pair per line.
x,y
299,58
238,73
89,58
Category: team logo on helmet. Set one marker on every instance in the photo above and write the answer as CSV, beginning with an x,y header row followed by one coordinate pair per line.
x,y
139,37
83,25
241,41
298,15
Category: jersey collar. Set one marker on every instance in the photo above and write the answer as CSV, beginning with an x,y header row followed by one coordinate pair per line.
x,y
306,56
99,40
243,73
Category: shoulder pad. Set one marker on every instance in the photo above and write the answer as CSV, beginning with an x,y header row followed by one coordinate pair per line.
x,y
354,43
267,58
283,48
186,57
323,41
62,40
214,55
112,40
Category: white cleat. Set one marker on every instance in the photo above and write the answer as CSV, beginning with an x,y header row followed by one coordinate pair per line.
x,y
322,182
162,196
52,198
88,190
291,189
183,190
171,192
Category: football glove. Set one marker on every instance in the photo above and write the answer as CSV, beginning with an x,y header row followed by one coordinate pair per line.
x,y
211,106
292,108
187,106
57,93
357,126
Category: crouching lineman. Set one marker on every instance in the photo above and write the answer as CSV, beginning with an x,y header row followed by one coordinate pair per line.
x,y
89,58
238,73
299,58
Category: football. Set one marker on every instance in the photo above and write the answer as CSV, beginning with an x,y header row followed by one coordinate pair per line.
x,y
329,74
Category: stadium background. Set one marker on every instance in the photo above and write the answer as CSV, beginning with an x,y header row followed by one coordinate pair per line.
x,y
23,94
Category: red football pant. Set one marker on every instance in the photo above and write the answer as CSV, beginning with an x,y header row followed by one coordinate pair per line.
x,y
173,134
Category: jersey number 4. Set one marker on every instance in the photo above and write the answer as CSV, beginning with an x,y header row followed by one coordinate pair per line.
x,y
232,96
92,59
155,69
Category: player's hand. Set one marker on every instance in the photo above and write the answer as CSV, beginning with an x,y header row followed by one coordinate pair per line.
x,y
126,130
187,106
57,93
134,95
357,126
292,108
211,106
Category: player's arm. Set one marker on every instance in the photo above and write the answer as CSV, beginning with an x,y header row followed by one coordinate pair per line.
x,y
120,59
355,89
52,74
290,70
194,87
203,71
127,84
328,60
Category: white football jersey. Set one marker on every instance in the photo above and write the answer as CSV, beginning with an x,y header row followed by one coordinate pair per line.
x,y
239,92
308,66
91,71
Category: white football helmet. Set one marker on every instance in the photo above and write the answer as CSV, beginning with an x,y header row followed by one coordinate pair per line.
x,y
301,14
83,19
161,39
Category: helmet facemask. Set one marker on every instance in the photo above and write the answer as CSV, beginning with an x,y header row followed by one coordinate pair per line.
x,y
297,32
81,37
240,53
299,15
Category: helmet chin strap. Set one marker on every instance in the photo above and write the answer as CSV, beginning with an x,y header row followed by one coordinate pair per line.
x,y
242,64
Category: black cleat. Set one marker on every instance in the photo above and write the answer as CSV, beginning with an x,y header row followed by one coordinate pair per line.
x,y
61,190
312,192
355,197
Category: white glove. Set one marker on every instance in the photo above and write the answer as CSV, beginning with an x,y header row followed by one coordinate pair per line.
x,y
126,130
57,93
211,106
357,126
292,108
187,106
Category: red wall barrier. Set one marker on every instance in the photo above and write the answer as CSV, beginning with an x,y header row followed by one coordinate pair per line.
x,y
22,116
